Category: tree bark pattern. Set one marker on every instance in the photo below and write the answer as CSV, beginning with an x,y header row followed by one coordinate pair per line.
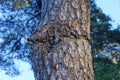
x,y
60,49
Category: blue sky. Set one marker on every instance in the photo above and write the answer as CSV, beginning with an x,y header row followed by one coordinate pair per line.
x,y
25,69
109,7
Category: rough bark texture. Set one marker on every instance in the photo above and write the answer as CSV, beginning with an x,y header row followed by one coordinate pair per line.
x,y
60,48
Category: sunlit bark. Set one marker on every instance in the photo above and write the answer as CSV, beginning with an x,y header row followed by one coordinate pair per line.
x,y
60,49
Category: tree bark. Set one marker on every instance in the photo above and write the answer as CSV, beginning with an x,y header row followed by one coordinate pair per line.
x,y
60,49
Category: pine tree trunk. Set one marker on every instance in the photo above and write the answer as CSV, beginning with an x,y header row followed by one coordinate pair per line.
x,y
60,49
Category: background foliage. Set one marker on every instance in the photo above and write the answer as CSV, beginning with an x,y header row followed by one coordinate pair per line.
x,y
105,45
16,25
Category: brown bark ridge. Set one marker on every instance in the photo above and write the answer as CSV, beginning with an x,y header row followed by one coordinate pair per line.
x,y
60,49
